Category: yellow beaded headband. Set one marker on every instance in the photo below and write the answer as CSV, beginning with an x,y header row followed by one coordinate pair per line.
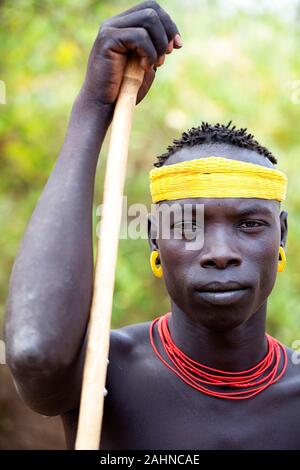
x,y
216,177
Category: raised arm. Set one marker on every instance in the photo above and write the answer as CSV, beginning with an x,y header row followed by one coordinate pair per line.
x,y
52,278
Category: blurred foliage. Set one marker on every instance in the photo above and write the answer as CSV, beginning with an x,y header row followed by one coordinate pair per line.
x,y
237,64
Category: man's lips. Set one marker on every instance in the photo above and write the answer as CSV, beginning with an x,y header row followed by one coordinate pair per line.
x,y
220,286
219,293
222,298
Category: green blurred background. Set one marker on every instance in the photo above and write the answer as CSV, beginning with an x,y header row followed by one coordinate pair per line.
x,y
240,62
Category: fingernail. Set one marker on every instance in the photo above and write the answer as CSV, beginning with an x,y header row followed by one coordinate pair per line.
x,y
170,47
161,60
144,63
178,41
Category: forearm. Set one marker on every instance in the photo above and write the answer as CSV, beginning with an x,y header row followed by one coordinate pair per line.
x,y
51,282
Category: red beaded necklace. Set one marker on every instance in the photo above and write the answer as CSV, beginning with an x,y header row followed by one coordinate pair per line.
x,y
241,385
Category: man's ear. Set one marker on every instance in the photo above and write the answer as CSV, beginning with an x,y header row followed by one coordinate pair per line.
x,y
284,227
152,232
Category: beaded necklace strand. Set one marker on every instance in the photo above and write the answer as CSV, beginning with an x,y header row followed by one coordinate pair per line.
x,y
241,385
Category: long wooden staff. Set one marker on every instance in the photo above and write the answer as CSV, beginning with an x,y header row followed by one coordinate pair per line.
x,y
95,368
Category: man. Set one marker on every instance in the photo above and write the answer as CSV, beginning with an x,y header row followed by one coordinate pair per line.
x,y
153,403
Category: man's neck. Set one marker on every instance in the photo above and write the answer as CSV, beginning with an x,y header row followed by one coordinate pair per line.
x,y
231,350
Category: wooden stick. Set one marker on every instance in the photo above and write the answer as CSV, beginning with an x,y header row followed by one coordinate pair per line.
x,y
95,368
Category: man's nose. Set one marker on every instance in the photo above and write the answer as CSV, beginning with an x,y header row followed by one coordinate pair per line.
x,y
219,251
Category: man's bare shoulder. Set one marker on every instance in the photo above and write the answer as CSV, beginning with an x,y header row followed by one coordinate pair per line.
x,y
126,339
126,345
129,355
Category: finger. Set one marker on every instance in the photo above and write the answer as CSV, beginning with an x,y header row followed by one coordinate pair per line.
x,y
170,47
160,60
148,19
178,41
144,63
148,79
132,39
169,25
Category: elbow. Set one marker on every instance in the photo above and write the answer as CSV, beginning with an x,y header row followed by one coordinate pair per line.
x,y
27,359
25,350
32,346
39,382
29,353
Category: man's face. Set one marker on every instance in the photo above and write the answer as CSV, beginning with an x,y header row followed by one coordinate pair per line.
x,y
241,243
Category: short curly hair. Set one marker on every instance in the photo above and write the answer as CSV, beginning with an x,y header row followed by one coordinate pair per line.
x,y
208,133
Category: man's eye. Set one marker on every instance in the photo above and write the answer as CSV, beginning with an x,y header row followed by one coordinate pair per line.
x,y
186,230
251,224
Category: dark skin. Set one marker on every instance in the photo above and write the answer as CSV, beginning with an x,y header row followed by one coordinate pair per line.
x,y
147,406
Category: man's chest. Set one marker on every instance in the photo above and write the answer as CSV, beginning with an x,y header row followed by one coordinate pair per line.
x,y
159,411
